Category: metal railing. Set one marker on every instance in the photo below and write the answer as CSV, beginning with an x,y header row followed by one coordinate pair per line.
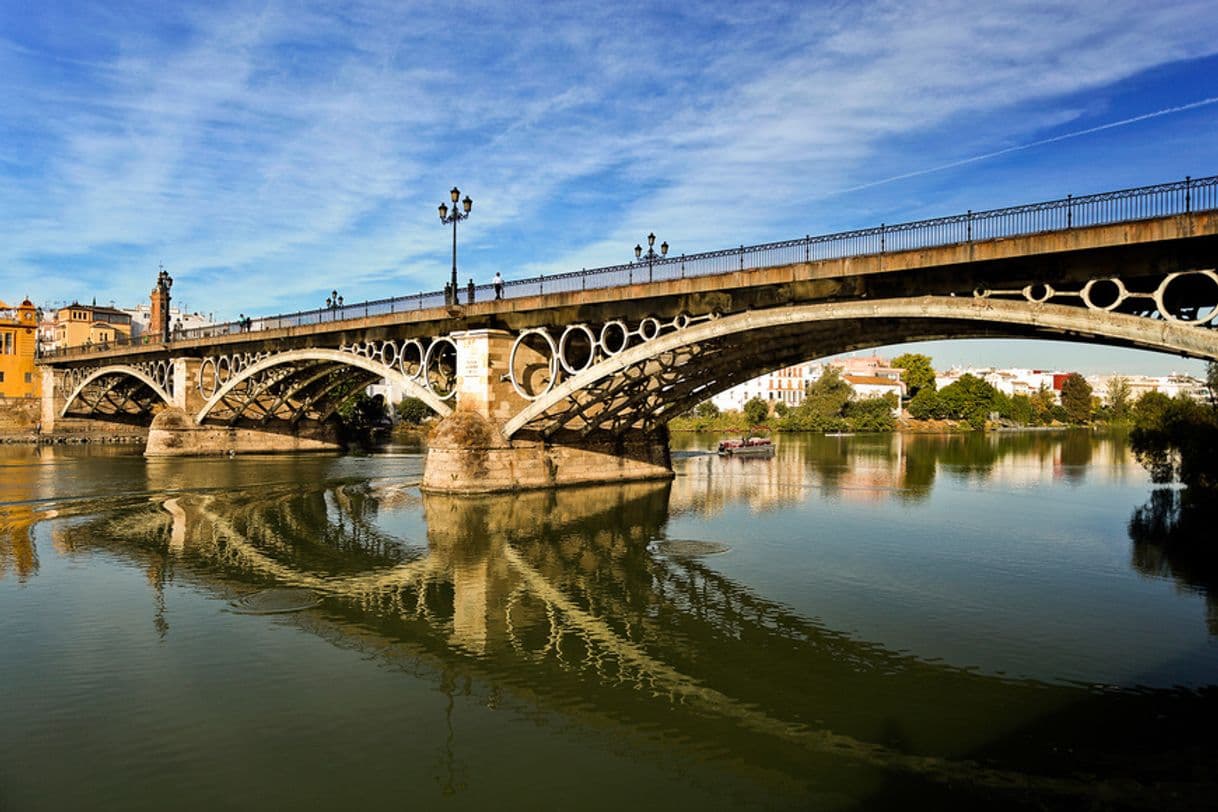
x,y
1107,208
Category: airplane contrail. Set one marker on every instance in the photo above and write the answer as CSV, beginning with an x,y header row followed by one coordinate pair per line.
x,y
1064,136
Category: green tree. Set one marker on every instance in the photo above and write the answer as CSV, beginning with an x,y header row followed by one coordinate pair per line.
x,y
756,411
362,413
1019,410
706,408
1120,404
781,408
1177,439
916,372
413,410
970,399
824,404
925,405
1211,381
1043,402
1076,399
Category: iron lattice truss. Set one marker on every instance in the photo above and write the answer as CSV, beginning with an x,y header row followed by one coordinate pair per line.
x,y
122,392
301,389
113,395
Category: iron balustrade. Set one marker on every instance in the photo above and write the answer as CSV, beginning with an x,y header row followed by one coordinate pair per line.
x,y
1106,208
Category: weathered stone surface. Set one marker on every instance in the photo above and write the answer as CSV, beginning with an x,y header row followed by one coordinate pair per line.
x,y
175,434
467,453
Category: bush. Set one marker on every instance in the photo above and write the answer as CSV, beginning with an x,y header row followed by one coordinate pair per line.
x,y
413,411
924,405
870,414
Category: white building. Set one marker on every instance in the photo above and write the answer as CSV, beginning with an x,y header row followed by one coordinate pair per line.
x,y
786,385
141,318
869,376
1170,385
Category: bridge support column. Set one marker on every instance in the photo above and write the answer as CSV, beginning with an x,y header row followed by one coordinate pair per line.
x,y
53,395
468,453
186,395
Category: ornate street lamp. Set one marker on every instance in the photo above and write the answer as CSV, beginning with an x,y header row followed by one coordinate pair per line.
x,y
454,218
651,256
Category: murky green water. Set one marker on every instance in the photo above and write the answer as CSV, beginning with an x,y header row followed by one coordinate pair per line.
x,y
861,622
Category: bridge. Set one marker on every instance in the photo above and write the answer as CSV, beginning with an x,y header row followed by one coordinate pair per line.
x,y
572,378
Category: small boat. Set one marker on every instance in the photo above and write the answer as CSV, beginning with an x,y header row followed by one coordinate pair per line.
x,y
752,447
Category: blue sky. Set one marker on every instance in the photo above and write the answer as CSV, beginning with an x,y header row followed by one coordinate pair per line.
x,y
268,152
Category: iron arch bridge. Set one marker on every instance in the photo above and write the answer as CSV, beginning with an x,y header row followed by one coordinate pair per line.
x,y
600,356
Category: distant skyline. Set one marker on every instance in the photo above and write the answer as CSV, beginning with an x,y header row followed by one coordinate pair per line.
x,y
270,152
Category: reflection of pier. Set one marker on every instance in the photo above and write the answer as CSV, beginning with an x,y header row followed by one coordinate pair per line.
x,y
556,595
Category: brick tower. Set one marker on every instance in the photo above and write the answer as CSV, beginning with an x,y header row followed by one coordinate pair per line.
x,y
159,322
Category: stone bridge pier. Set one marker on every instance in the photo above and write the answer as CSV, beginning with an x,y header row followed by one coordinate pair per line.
x,y
470,451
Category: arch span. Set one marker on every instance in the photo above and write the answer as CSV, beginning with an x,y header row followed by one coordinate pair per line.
x,y
294,380
662,376
119,374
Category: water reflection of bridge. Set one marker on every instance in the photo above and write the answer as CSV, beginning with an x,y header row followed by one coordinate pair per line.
x,y
559,596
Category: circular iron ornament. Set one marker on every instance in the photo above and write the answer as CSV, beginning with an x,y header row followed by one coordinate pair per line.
x,y
208,382
388,354
553,363
563,344
1046,293
430,357
405,362
649,328
1088,293
1161,293
681,321
981,293
620,326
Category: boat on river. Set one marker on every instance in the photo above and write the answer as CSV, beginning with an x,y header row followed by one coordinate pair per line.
x,y
752,447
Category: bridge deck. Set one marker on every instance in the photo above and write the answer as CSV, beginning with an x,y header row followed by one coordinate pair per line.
x,y
958,266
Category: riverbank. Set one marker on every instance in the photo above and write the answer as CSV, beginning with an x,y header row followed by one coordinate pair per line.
x,y
73,439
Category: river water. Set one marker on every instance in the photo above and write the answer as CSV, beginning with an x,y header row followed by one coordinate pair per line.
x,y
1007,620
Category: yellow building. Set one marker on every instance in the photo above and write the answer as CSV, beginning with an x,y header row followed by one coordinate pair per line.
x,y
77,325
18,339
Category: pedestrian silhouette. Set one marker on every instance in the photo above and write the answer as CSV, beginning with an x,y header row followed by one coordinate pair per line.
x,y
498,283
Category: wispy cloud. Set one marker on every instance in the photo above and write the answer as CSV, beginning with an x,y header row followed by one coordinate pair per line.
x,y
267,152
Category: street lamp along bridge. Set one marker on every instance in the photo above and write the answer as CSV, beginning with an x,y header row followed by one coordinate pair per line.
x,y
450,290
572,378
651,256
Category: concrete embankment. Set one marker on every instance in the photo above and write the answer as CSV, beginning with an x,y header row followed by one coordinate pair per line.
x,y
20,424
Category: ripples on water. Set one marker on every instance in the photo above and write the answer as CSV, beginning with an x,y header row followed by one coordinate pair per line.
x,y
961,621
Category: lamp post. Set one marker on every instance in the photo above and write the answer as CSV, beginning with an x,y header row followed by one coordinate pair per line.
x,y
651,256
455,217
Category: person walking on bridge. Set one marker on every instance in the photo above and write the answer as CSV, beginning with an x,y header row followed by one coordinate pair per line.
x,y
498,283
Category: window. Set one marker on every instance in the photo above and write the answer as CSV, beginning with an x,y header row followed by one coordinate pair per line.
x,y
29,377
1,377
6,343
